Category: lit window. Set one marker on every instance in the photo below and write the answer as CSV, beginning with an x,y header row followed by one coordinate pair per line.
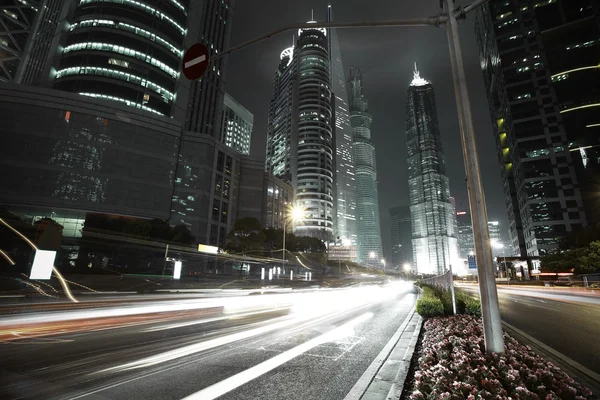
x,y
121,63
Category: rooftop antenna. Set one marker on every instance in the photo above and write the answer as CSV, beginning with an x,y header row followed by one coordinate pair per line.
x,y
312,14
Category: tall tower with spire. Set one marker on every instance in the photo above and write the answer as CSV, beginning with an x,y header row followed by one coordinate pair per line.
x,y
434,240
345,181
370,250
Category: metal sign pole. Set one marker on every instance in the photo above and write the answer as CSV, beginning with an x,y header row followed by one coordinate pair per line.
x,y
492,324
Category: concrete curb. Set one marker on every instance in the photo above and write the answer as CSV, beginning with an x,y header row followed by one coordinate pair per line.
x,y
385,377
581,374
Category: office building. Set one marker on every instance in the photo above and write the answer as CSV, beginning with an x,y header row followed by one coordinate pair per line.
x,y
401,230
65,155
17,20
368,229
300,134
466,240
345,182
434,240
236,126
98,121
539,61
278,196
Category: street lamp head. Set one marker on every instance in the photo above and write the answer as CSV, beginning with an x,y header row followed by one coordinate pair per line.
x,y
372,254
383,261
407,267
296,213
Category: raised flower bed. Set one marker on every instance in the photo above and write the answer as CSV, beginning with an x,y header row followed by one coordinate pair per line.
x,y
453,364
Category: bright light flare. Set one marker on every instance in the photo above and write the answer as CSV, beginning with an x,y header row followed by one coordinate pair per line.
x,y
43,262
296,213
177,270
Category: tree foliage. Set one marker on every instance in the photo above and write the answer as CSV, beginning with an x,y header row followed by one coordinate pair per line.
x,y
579,260
247,235
152,229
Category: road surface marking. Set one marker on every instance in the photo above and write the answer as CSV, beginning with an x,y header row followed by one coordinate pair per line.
x,y
195,61
237,380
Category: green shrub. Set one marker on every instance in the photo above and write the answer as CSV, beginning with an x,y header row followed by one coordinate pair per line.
x,y
473,307
428,292
461,301
429,307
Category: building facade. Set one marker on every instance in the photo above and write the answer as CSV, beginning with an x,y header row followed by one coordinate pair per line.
x,y
17,20
539,61
278,196
300,135
466,240
434,240
65,155
205,104
370,250
401,231
236,126
345,181
98,121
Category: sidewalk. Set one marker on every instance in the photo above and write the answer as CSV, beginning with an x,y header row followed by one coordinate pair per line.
x,y
386,376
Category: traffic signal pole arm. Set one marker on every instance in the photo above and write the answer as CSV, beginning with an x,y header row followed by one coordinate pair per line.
x,y
436,21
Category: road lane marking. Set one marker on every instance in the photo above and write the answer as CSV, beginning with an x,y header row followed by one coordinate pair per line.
x,y
195,61
237,380
205,321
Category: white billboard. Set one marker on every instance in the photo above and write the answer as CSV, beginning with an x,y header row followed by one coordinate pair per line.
x,y
43,262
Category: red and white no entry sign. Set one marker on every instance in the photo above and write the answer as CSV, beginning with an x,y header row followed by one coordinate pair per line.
x,y
195,61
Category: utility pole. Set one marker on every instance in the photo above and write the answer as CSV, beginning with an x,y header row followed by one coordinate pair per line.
x,y
492,324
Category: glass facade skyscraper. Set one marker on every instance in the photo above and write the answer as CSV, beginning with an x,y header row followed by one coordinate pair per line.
x,y
370,250
300,134
539,60
345,181
433,221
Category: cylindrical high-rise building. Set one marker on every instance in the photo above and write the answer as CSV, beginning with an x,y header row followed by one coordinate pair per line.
x,y
433,229
367,201
300,134
315,137
125,51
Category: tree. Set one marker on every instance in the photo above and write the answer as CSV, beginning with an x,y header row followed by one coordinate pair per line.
x,y
580,260
182,234
247,235
589,258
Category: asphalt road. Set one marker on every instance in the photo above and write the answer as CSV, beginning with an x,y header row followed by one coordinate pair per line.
x,y
312,345
567,322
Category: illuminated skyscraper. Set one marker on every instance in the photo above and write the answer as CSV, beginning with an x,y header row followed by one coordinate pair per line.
x,y
367,200
434,241
540,66
300,134
345,183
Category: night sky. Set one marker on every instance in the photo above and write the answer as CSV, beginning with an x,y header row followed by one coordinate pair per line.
x,y
386,57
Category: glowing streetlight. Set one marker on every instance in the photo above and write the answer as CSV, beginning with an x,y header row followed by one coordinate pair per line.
x,y
372,254
383,262
295,214
406,267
